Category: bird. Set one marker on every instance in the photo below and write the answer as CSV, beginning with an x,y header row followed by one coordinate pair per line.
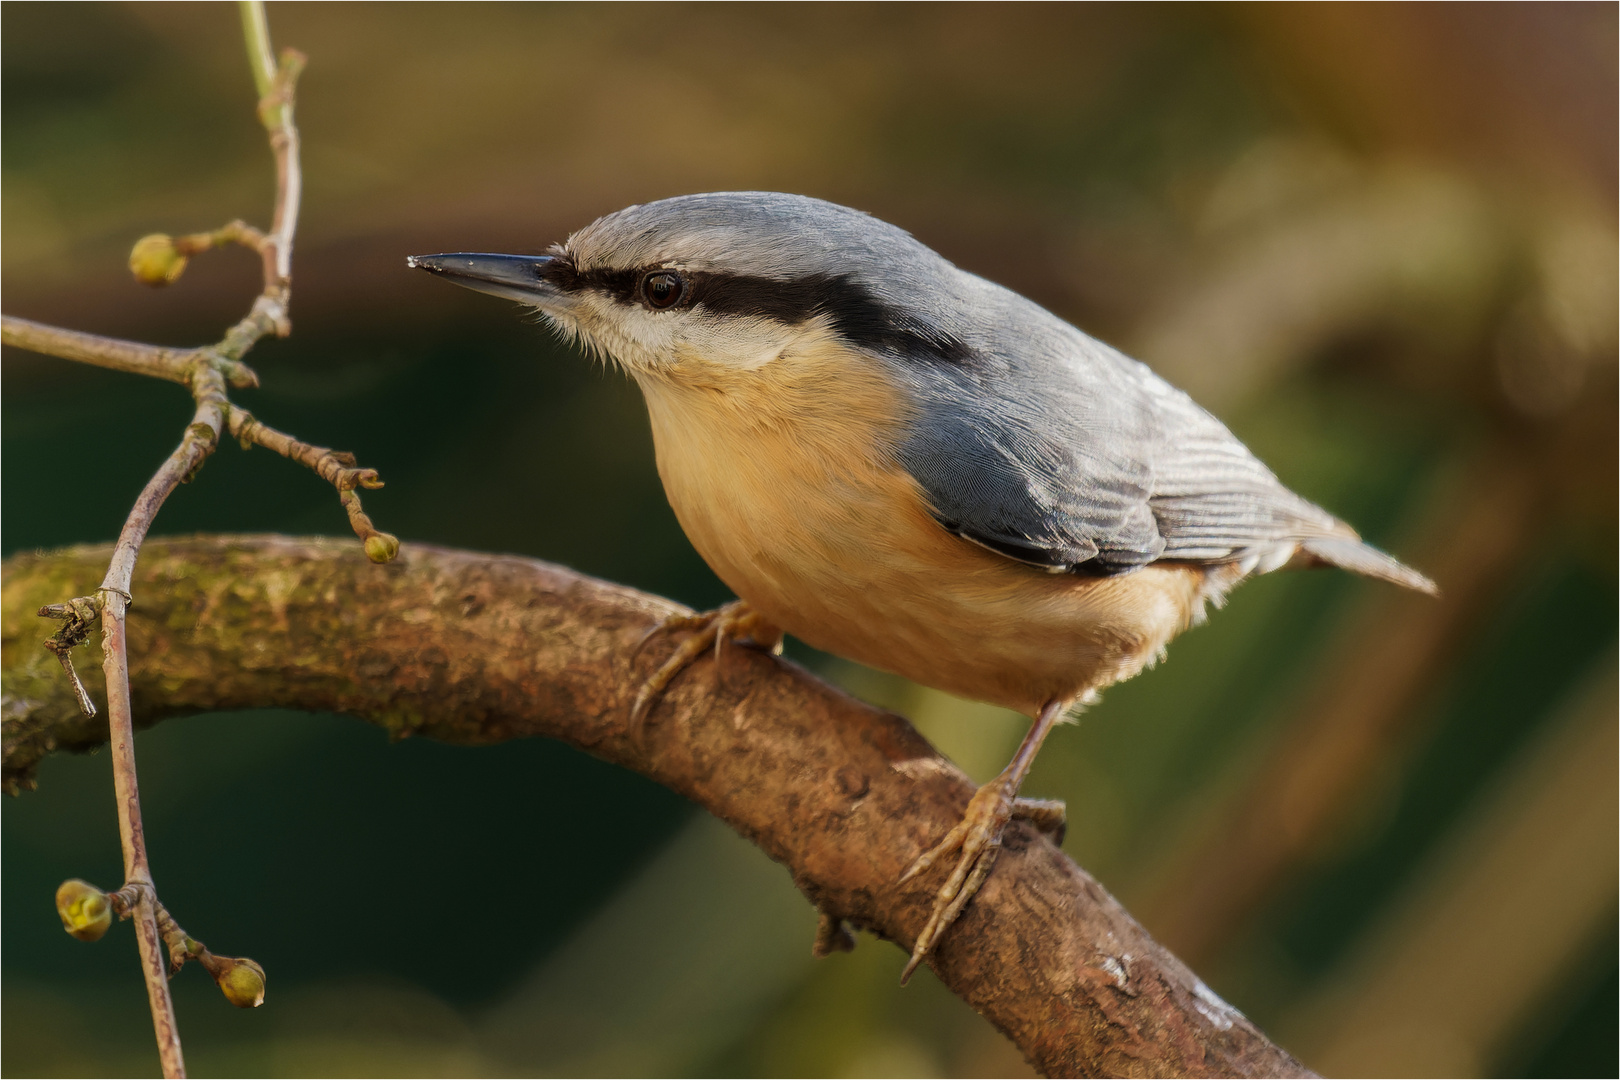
x,y
907,465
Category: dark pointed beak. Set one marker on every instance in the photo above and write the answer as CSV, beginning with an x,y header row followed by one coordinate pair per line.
x,y
516,277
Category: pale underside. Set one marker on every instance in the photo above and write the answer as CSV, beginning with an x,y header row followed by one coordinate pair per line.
x,y
785,481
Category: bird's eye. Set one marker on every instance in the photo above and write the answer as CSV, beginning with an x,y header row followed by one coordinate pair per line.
x,y
663,289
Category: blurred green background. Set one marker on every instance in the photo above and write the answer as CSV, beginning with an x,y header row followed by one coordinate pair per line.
x,y
1379,241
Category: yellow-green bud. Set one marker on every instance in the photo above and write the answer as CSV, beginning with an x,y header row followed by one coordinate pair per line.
x,y
382,547
241,979
155,260
85,910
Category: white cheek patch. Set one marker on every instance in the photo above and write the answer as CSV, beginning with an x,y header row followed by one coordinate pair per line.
x,y
645,340
628,334
738,343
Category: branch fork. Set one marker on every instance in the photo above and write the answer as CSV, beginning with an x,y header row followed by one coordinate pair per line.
x,y
207,371
1060,1021
842,794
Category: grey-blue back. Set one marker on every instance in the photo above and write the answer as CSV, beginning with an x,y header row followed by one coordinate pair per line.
x,y
1028,436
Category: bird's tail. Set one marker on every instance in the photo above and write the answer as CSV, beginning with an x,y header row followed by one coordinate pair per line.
x,y
1349,553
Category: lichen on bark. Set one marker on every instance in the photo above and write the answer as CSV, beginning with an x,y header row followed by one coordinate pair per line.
x,y
474,648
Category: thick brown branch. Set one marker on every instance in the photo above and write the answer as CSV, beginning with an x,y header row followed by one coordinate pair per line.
x,y
476,649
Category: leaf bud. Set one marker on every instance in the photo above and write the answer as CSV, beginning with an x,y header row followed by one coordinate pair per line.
x,y
382,547
85,910
240,979
155,260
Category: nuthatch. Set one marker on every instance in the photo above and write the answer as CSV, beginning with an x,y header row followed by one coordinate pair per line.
x,y
909,466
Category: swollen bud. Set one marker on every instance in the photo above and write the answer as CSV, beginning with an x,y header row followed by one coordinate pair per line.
x,y
382,547
86,912
155,260
241,980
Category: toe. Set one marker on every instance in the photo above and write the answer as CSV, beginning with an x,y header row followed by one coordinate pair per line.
x,y
709,630
1050,816
927,859
978,837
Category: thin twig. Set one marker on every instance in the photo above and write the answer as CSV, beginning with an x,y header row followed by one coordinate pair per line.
x,y
476,649
77,616
336,467
199,441
241,979
137,869
65,656
276,83
159,259
155,360
233,232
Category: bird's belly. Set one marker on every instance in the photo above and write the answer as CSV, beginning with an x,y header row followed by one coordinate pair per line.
x,y
840,551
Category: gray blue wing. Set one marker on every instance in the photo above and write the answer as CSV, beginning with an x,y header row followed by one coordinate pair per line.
x,y
999,471
1077,457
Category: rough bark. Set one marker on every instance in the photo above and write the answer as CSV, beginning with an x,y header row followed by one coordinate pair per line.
x,y
475,648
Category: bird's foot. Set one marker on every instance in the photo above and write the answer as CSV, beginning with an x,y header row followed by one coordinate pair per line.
x,y
978,837
735,621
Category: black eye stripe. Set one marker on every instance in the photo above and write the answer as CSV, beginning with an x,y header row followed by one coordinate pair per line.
x,y
857,315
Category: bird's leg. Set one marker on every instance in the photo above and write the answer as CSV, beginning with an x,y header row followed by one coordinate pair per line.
x,y
734,621
978,835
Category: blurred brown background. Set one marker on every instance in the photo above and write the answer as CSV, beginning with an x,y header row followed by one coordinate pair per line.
x,y
1379,241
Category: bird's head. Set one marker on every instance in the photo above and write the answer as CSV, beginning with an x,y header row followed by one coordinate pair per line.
x,y
731,280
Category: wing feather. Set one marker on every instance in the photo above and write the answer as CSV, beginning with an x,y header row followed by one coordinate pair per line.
x,y
1056,450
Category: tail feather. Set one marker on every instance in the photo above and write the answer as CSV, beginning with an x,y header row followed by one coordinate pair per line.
x,y
1351,554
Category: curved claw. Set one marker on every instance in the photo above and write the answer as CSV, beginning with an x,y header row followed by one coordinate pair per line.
x,y
978,836
670,624
965,881
733,621
926,860
651,690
